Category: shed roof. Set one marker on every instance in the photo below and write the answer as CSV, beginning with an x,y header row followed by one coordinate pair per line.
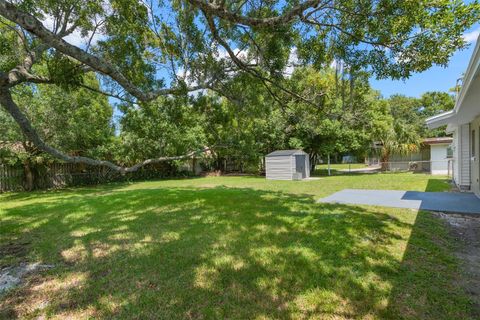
x,y
440,140
286,153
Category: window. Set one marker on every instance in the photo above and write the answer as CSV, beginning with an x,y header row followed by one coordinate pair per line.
x,y
449,152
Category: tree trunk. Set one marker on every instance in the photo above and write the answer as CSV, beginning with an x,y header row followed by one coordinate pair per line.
x,y
328,164
28,183
384,160
313,162
352,84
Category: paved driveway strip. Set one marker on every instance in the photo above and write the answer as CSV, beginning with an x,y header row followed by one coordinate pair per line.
x,y
433,201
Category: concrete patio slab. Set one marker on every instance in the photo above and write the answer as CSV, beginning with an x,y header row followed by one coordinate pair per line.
x,y
433,201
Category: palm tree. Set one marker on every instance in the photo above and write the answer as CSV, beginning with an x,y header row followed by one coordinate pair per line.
x,y
402,138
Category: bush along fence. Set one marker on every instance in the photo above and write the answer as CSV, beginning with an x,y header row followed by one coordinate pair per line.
x,y
61,175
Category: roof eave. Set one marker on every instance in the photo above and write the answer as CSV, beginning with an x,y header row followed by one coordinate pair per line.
x,y
450,128
469,75
449,118
440,119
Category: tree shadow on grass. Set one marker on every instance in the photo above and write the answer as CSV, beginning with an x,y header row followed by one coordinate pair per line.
x,y
429,272
427,284
177,253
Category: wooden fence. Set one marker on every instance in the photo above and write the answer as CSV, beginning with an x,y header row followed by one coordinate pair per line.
x,y
11,178
61,175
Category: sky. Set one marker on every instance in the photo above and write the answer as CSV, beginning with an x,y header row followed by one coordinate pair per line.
x,y
435,78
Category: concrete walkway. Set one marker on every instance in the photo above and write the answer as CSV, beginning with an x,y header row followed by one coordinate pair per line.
x,y
433,201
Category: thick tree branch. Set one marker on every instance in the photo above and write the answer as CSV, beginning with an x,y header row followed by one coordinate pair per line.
x,y
245,67
19,75
219,10
35,27
107,94
301,12
31,134
373,42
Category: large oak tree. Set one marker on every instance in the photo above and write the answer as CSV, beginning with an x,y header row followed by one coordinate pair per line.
x,y
141,50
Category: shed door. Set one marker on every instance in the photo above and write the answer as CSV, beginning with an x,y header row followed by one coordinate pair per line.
x,y
300,165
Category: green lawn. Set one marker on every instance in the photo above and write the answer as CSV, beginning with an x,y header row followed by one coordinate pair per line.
x,y
337,168
341,166
229,247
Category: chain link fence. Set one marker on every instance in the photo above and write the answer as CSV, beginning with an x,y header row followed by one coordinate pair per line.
x,y
434,167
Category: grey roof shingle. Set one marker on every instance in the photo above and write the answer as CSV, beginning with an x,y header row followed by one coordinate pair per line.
x,y
280,153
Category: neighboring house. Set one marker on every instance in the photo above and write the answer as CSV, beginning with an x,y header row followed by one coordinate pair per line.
x,y
440,155
434,157
464,122
287,165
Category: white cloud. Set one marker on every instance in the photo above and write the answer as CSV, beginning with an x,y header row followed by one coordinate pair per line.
x,y
75,38
291,63
334,64
472,36
223,54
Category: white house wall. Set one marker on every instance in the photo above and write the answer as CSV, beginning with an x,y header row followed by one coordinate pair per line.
x,y
461,156
470,103
438,158
456,155
475,156
464,157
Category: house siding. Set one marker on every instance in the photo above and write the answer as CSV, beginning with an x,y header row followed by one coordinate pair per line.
x,y
465,122
456,156
461,157
475,156
464,157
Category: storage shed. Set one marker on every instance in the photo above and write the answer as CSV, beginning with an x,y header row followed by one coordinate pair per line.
x,y
287,165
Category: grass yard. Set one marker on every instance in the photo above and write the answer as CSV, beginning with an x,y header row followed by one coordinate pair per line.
x,y
229,247
341,166
337,168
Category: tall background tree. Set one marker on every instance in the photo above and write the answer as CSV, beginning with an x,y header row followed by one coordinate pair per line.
x,y
407,127
79,122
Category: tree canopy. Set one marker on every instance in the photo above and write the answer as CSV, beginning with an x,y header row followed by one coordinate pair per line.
x,y
78,122
150,53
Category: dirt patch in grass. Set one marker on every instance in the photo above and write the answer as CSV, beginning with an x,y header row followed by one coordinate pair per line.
x,y
466,231
12,250
10,277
